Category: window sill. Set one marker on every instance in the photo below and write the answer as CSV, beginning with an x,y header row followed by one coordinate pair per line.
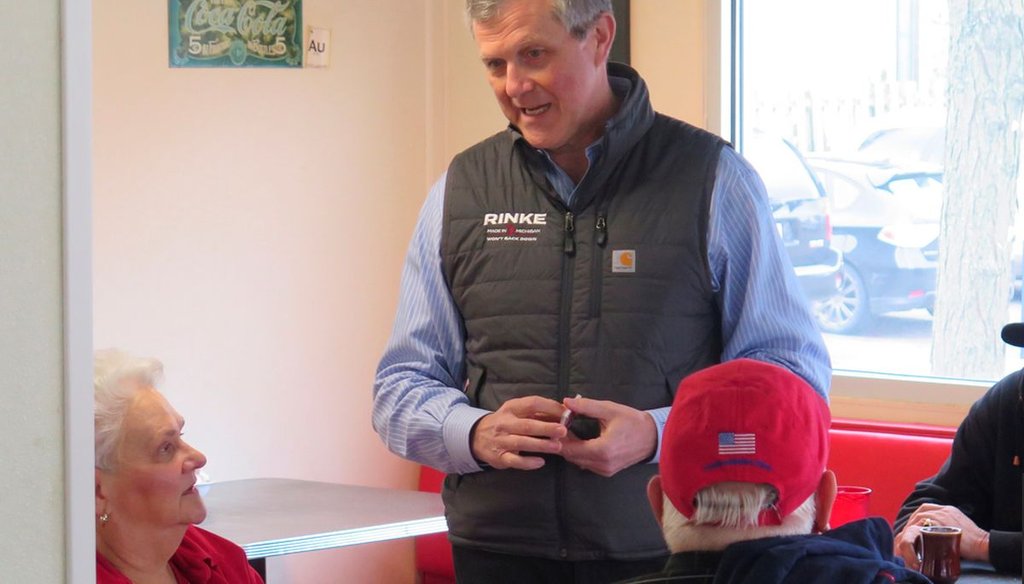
x,y
891,398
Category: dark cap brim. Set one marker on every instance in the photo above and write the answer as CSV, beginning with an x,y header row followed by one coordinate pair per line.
x,y
1013,334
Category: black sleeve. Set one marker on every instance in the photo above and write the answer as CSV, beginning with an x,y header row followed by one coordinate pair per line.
x,y
1004,550
966,478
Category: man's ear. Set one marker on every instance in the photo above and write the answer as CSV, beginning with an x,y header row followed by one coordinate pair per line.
x,y
604,34
824,497
656,497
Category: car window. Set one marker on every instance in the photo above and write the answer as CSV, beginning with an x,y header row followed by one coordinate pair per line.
x,y
783,170
921,193
842,191
925,144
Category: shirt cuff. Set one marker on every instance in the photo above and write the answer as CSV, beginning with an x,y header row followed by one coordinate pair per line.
x,y
456,430
660,416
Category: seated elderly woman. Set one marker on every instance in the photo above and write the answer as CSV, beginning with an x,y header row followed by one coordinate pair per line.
x,y
147,504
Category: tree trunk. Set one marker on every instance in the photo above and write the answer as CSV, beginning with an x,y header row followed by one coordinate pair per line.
x,y
983,135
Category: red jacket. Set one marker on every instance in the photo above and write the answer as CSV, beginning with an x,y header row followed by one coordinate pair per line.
x,y
202,558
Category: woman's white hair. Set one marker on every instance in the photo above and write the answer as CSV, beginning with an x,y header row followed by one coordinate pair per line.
x,y
117,376
726,513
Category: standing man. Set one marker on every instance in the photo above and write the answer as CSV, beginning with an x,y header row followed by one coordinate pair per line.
x,y
593,247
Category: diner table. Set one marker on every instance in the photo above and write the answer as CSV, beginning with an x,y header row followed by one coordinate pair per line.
x,y
273,516
981,573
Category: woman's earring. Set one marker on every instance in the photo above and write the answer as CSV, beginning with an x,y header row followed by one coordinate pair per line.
x,y
104,518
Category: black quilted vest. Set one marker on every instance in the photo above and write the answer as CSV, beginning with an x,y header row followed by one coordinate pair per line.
x,y
610,299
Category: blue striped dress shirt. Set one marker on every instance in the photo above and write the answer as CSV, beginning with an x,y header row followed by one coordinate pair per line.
x,y
423,415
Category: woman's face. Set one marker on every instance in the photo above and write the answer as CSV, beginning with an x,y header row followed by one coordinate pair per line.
x,y
153,483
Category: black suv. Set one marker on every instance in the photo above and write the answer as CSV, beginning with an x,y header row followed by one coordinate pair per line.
x,y
886,220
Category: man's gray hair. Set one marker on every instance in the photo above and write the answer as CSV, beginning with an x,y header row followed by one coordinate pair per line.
x,y
117,377
576,15
727,513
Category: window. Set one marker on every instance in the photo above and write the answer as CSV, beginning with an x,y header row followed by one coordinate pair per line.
x,y
922,204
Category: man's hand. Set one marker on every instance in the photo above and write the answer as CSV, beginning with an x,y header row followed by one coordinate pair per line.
x,y
973,539
628,436
525,424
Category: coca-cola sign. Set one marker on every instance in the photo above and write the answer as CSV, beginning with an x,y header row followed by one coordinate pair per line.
x,y
235,33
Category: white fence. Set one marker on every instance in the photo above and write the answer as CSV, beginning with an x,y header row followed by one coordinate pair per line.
x,y
836,121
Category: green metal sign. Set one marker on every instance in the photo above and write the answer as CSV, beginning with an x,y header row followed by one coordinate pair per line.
x,y
235,33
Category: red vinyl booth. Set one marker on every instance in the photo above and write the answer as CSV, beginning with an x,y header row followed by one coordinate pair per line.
x,y
433,552
888,458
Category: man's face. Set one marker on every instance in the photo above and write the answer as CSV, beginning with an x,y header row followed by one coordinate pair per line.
x,y
549,84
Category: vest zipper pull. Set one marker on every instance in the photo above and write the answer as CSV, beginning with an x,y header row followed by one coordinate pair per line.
x,y
602,230
570,237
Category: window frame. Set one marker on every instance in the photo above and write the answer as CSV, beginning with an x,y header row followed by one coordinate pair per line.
x,y
76,132
854,394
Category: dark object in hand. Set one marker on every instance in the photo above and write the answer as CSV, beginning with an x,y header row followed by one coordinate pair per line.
x,y
584,427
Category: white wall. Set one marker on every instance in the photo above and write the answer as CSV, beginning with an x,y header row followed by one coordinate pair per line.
x,y
668,43
466,107
31,355
249,230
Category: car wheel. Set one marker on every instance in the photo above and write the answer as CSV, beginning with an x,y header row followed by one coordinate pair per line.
x,y
848,310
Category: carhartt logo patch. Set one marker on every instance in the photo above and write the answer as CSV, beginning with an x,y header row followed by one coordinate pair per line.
x,y
623,261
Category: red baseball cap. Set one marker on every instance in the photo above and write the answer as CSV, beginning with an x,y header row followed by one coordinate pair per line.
x,y
745,421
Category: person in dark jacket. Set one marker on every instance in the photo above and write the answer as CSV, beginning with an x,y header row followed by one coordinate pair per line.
x,y
978,488
744,496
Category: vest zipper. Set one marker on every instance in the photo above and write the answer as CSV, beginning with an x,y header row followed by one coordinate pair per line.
x,y
597,270
602,229
570,234
564,322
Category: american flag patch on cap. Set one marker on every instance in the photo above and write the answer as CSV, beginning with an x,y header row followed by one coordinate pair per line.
x,y
733,443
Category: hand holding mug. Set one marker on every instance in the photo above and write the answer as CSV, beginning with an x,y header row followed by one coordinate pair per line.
x,y
938,553
973,541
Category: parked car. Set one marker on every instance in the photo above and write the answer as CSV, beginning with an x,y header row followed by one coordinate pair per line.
x,y
801,211
923,139
885,220
906,144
